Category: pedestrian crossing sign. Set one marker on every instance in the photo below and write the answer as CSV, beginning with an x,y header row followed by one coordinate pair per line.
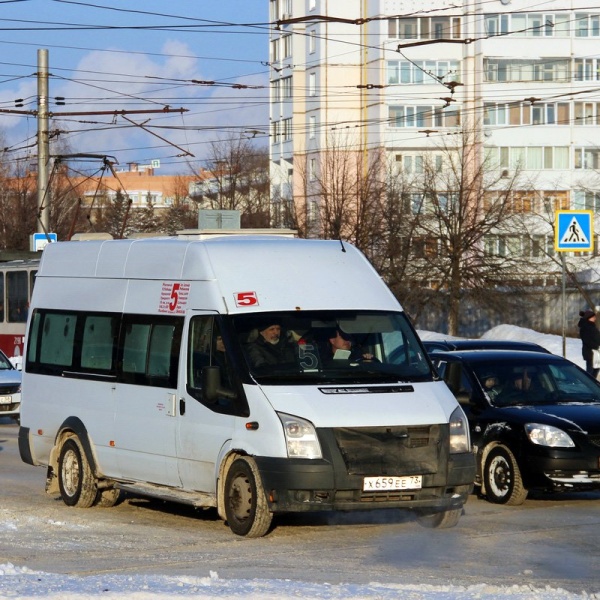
x,y
574,231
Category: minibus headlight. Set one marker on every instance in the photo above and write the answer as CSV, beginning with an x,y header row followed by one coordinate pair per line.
x,y
459,432
547,435
300,437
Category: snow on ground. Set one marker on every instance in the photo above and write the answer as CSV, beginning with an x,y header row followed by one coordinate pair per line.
x,y
20,583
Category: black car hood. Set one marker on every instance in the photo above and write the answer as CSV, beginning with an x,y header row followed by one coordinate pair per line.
x,y
570,416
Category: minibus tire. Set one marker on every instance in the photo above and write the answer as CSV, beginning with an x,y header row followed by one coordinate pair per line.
x,y
246,507
77,484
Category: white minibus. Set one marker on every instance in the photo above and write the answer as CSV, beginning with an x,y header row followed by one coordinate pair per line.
x,y
255,375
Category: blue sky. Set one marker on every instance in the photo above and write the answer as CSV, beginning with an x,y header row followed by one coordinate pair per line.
x,y
134,55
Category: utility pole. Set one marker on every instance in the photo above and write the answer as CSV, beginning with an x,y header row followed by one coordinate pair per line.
x,y
43,115
43,201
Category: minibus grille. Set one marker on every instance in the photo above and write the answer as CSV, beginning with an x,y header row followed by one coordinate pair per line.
x,y
390,450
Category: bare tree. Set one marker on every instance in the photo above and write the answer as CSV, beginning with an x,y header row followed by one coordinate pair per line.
x,y
341,194
458,203
182,213
18,206
238,180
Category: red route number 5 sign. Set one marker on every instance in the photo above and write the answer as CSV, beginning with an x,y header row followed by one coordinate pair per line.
x,y
246,299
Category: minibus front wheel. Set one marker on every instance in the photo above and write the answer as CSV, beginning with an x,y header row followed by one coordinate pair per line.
x,y
77,484
246,507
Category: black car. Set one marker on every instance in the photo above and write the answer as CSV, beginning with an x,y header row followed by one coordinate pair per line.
x,y
534,420
481,344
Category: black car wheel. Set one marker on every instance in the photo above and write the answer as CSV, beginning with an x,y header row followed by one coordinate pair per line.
x,y
502,478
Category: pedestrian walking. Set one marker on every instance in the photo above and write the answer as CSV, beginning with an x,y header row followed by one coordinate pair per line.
x,y
590,339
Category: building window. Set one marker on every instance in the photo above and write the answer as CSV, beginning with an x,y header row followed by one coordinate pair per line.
x,y
546,113
275,50
528,157
586,69
587,25
287,130
276,132
275,90
312,169
586,113
528,25
587,158
423,116
286,87
312,127
287,45
312,84
312,41
436,28
585,200
546,70
422,72
312,4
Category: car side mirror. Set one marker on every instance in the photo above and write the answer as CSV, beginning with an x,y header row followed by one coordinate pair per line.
x,y
463,397
211,386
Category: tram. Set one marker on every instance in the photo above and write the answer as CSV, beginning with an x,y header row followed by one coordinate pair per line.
x,y
17,278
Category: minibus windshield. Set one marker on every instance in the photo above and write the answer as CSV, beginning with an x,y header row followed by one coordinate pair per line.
x,y
331,347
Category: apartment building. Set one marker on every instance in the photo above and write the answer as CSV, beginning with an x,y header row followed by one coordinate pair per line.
x,y
403,76
140,184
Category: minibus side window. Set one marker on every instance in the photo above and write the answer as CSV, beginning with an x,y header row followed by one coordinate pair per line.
x,y
159,356
57,341
97,348
150,350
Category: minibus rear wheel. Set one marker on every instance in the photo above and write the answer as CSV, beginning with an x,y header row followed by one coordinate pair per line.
x,y
76,481
246,506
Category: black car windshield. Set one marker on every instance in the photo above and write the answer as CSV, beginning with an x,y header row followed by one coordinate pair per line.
x,y
509,383
331,347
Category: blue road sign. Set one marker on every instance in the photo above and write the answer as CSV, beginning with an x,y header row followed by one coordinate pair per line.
x,y
574,231
39,240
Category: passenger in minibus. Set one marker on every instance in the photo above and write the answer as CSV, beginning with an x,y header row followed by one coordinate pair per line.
x,y
271,346
342,347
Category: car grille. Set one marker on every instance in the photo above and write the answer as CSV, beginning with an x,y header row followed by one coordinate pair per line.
x,y
594,439
11,389
375,451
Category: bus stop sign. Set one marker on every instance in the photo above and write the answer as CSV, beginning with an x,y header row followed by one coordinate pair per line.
x,y
574,231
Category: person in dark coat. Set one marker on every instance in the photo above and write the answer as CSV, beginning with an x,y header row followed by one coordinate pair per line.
x,y
590,339
270,346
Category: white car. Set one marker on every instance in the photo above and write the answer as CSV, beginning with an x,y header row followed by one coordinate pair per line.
x,y
10,389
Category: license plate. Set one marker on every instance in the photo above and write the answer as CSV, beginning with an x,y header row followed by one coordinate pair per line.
x,y
384,484
6,399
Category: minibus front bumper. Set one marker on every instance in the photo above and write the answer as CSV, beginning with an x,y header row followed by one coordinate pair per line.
x,y
303,485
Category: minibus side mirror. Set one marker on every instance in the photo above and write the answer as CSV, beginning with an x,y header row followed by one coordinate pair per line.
x,y
211,386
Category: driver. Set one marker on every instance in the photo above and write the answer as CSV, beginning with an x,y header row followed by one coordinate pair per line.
x,y
490,384
270,347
